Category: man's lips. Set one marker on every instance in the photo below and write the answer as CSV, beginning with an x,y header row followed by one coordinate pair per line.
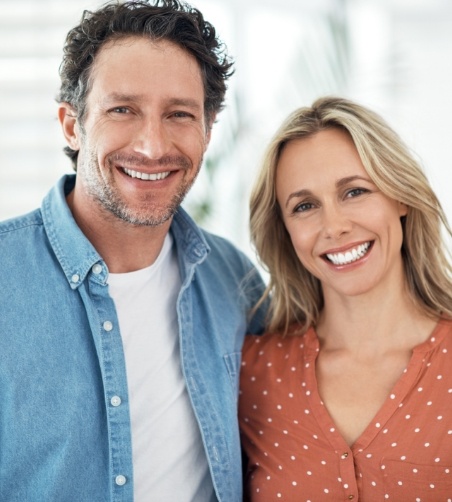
x,y
146,176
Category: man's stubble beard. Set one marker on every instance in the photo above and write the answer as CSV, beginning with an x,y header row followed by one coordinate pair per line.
x,y
110,200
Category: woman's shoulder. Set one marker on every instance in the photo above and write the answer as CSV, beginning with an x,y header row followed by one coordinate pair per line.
x,y
276,343
274,357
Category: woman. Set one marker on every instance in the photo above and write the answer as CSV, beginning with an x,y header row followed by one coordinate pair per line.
x,y
349,394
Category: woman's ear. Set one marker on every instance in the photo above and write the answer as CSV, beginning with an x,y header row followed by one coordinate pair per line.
x,y
403,209
67,117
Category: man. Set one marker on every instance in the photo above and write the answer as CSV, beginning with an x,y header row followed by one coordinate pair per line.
x,y
121,321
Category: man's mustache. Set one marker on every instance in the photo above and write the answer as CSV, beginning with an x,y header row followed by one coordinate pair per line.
x,y
141,160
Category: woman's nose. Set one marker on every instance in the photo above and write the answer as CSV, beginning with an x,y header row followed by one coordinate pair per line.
x,y
334,221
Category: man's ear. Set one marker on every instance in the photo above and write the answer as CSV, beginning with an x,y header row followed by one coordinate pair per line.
x,y
209,129
68,120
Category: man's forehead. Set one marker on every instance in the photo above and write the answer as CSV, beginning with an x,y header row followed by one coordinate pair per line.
x,y
134,44
167,76
132,55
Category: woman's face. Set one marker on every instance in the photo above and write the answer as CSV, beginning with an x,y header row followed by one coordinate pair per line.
x,y
345,231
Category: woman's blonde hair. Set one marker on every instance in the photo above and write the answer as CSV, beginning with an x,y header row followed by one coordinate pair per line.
x,y
296,295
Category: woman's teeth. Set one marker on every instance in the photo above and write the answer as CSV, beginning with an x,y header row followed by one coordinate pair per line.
x,y
350,256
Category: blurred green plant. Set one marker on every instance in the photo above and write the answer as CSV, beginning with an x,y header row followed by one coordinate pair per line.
x,y
201,199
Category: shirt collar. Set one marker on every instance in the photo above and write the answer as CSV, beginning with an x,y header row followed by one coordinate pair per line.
x,y
189,238
77,255
73,250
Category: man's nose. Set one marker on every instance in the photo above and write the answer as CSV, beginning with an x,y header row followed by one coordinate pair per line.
x,y
152,139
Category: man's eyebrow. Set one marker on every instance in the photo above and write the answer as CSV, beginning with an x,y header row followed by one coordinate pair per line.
x,y
124,98
115,97
190,103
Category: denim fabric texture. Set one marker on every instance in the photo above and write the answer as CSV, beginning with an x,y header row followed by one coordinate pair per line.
x,y
64,412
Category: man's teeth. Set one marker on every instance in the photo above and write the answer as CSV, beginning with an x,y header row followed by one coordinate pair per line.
x,y
349,256
146,176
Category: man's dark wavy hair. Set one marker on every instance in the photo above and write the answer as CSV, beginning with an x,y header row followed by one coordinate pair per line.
x,y
171,20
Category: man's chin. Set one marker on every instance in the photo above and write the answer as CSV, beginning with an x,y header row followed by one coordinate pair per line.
x,y
145,218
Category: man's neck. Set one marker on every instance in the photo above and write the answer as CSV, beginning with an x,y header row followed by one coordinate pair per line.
x,y
123,247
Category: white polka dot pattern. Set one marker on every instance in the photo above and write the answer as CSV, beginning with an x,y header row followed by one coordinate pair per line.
x,y
296,453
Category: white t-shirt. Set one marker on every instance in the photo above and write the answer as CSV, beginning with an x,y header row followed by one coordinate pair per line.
x,y
169,460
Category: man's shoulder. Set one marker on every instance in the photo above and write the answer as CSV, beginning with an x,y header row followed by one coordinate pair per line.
x,y
223,251
28,221
186,230
22,243
219,243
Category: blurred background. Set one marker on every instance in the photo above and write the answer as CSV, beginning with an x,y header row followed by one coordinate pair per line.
x,y
394,56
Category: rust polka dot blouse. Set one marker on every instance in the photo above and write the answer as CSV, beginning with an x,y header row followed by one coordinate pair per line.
x,y
295,452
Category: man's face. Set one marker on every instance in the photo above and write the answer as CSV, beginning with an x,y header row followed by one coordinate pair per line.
x,y
144,133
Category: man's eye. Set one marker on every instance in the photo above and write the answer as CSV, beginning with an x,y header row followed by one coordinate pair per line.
x,y
119,109
182,115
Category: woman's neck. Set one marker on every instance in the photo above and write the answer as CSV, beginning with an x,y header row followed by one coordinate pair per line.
x,y
377,321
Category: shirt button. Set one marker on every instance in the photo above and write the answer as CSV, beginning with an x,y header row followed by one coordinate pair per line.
x,y
345,455
97,269
75,278
351,497
115,401
120,480
108,325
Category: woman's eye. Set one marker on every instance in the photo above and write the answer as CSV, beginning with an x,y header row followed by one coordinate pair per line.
x,y
303,207
354,192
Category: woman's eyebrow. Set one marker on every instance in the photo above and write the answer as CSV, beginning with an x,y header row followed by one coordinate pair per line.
x,y
297,194
345,181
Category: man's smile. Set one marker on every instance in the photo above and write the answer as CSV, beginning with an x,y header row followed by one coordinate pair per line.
x,y
146,176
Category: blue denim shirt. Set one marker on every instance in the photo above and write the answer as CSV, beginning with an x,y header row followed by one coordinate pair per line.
x,y
64,411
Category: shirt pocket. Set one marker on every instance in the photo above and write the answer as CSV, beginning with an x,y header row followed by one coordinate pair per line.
x,y
413,482
232,362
